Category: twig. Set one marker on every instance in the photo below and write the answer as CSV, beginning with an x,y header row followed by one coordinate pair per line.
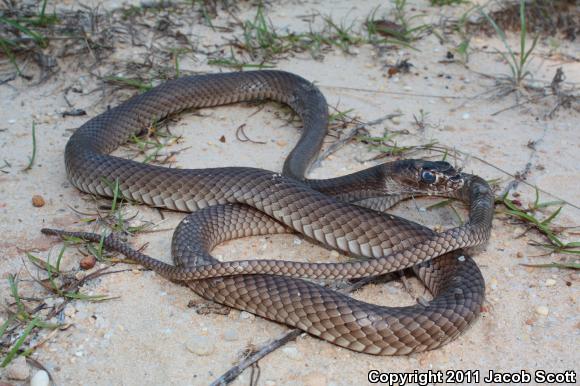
x,y
8,79
243,137
348,136
564,98
394,92
408,288
528,100
235,371
519,177
75,286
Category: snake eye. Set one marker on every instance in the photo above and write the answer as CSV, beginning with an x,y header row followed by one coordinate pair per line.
x,y
428,176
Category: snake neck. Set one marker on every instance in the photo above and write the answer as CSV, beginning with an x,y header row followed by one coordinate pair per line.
x,y
365,184
477,193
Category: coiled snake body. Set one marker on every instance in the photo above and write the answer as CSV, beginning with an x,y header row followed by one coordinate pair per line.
x,y
245,201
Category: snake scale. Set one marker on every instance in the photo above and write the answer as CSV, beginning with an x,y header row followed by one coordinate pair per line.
x,y
234,202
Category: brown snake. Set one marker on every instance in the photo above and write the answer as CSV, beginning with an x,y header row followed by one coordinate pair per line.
x,y
245,201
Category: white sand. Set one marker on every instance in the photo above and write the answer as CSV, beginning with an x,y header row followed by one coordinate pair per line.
x,y
142,337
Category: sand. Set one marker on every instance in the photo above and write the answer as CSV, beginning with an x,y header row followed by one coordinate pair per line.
x,y
149,334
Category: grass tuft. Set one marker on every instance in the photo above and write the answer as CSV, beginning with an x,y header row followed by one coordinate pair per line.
x,y
398,31
517,62
543,225
129,82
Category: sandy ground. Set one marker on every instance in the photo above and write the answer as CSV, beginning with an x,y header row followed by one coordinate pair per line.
x,y
149,335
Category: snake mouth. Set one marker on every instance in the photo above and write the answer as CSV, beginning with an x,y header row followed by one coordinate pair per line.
x,y
457,181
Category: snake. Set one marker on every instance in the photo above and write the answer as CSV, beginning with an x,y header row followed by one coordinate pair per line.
x,y
345,213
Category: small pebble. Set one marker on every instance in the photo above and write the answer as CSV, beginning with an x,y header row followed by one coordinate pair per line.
x,y
519,255
200,345
297,241
334,254
530,322
18,369
542,310
396,120
40,378
37,201
87,262
550,283
465,116
291,352
246,316
12,121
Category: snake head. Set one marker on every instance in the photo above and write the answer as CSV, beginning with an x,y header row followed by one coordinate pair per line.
x,y
428,177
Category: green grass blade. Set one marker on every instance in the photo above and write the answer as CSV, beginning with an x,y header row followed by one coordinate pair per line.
x,y
115,195
522,32
537,199
513,63
15,295
440,204
555,265
549,203
93,298
14,350
38,38
552,216
32,158
45,265
5,325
